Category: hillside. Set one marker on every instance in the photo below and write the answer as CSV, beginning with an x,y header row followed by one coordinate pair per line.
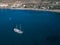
x,y
25,0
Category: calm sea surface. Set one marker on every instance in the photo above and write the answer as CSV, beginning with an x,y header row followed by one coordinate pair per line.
x,y
39,27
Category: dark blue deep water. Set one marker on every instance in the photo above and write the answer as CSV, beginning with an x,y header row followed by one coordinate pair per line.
x,y
39,27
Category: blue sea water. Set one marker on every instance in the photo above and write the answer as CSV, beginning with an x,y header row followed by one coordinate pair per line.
x,y
39,27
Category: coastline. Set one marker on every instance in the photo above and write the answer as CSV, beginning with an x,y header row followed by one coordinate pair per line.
x,y
55,10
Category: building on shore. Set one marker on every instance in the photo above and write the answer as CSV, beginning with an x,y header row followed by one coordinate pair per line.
x,y
16,4
3,5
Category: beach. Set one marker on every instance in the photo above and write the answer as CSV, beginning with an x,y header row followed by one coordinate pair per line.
x,y
55,10
51,10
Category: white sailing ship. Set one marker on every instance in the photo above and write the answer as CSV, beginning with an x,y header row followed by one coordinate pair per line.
x,y
18,30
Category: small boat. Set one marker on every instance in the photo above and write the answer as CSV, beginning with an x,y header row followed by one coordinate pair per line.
x,y
18,30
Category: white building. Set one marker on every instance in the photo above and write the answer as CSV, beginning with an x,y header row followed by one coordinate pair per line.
x,y
3,5
16,4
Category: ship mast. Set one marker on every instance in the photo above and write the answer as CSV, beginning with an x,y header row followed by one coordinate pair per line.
x,y
18,30
20,26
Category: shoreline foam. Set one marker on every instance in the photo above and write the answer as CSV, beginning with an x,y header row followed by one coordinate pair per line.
x,y
55,10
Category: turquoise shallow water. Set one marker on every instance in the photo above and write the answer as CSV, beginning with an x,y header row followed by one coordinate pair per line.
x,y
39,27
